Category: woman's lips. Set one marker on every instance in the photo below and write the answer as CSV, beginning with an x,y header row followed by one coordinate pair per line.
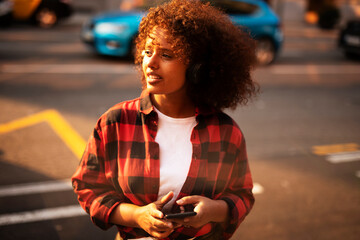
x,y
153,78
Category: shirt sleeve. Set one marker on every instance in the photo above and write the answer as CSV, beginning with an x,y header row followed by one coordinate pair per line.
x,y
97,194
238,195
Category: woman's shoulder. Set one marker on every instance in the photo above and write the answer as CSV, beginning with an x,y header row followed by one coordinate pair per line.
x,y
221,119
128,105
224,127
121,112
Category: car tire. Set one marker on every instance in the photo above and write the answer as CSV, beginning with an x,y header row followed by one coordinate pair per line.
x,y
352,56
265,51
46,17
6,20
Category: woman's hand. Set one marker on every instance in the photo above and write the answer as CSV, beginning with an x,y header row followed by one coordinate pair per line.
x,y
150,218
207,210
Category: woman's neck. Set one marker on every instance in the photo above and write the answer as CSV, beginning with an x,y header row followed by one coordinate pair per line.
x,y
173,107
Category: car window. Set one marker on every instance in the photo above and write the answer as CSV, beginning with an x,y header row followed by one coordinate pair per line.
x,y
234,7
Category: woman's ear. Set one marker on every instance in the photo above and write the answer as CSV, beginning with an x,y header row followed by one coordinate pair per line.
x,y
196,72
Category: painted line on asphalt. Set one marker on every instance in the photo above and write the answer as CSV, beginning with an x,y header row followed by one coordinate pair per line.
x,y
257,189
339,153
35,188
50,213
323,150
59,185
61,127
311,69
343,157
41,215
131,69
68,68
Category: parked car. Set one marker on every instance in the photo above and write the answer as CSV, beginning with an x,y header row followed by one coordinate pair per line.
x,y
45,13
113,33
349,39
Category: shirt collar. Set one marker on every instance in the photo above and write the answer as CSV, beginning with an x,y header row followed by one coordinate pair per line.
x,y
146,105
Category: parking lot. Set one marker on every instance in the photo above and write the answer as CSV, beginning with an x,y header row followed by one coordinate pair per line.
x,y
302,134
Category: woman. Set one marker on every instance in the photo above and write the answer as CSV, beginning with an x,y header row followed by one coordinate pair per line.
x,y
173,149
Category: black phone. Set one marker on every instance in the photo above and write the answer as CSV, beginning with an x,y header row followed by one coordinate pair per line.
x,y
179,215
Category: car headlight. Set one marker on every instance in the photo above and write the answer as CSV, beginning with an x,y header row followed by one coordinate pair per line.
x,y
106,28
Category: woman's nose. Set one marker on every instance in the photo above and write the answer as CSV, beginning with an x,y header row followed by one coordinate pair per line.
x,y
153,61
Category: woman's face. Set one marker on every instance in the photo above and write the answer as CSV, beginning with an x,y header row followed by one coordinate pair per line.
x,y
164,72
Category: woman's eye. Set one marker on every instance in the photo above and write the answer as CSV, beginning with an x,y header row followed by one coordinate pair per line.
x,y
148,53
167,56
164,55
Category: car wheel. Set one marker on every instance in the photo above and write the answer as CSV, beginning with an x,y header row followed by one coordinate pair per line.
x,y
46,17
6,20
265,51
352,56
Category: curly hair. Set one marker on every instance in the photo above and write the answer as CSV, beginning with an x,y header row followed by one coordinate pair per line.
x,y
219,53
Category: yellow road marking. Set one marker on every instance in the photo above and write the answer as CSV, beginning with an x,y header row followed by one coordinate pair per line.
x,y
335,148
61,127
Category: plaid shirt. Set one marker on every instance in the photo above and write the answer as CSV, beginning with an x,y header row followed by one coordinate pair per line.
x,y
121,165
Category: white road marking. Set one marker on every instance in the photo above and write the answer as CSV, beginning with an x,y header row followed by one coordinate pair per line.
x,y
68,68
258,189
50,213
342,157
34,188
59,185
324,150
314,69
130,69
41,215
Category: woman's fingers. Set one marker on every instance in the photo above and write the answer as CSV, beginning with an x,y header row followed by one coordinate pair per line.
x,y
151,220
188,200
156,213
167,198
161,228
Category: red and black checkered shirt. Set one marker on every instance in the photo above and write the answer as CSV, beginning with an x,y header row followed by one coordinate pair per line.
x,y
121,165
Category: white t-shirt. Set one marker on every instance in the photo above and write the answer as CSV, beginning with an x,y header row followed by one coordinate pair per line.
x,y
173,136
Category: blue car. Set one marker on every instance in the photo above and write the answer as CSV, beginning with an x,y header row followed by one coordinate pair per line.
x,y
113,33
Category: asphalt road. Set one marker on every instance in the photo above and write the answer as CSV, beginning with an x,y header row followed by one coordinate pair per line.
x,y
303,134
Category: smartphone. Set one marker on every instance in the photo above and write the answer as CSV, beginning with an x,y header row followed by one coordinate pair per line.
x,y
180,215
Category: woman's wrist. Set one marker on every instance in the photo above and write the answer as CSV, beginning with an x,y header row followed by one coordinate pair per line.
x,y
220,213
137,213
125,214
